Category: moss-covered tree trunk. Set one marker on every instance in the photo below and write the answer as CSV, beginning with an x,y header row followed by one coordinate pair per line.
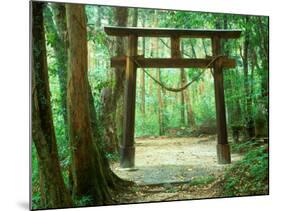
x,y
43,134
60,48
88,172
55,25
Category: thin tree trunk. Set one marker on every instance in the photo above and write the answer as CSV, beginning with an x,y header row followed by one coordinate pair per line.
x,y
233,105
182,82
60,49
56,26
159,94
264,36
158,76
43,133
143,78
204,47
190,114
249,116
99,17
160,105
135,17
189,111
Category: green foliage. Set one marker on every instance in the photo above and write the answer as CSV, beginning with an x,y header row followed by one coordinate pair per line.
x,y
201,181
35,179
112,156
244,147
36,197
248,176
84,201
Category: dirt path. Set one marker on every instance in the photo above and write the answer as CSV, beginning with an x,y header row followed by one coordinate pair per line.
x,y
169,161
165,160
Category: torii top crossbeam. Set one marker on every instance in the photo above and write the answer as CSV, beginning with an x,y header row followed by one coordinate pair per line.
x,y
170,32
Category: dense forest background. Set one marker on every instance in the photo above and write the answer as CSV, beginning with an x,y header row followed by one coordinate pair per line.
x,y
158,112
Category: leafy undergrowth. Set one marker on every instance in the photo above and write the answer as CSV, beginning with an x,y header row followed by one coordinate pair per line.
x,y
244,147
248,176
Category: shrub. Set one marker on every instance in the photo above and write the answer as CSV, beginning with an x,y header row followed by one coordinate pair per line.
x,y
248,176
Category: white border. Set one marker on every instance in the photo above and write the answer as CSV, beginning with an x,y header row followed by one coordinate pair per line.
x,y
14,111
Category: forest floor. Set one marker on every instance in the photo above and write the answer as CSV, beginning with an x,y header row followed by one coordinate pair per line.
x,y
174,169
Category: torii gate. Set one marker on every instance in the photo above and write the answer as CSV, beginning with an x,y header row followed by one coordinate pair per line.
x,y
127,148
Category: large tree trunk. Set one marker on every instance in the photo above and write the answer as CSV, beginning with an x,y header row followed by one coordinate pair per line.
x,y
88,171
121,16
112,117
43,134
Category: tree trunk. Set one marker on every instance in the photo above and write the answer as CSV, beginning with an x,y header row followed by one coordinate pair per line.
x,y
204,47
190,114
135,18
113,111
189,111
56,27
43,134
150,43
159,94
60,49
155,49
233,104
143,81
249,115
182,82
88,171
160,105
264,73
99,17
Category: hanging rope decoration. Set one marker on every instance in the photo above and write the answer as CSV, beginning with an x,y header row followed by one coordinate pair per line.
x,y
171,89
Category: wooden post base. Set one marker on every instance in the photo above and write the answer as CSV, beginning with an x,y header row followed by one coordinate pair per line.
x,y
127,157
223,154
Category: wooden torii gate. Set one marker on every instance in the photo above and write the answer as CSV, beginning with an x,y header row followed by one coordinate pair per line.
x,y
132,60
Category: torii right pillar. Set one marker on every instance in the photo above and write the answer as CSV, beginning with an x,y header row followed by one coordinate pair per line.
x,y
223,150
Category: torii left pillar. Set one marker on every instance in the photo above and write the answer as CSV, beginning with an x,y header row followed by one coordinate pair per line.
x,y
127,148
